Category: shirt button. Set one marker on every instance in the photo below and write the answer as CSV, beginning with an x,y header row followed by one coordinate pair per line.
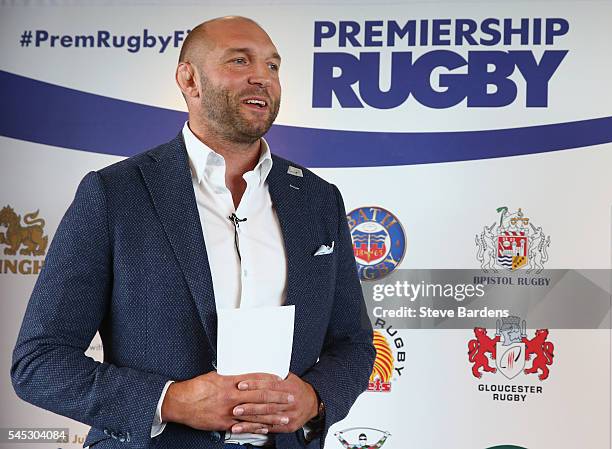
x,y
244,272
215,436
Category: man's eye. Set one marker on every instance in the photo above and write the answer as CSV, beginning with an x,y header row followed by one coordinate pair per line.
x,y
273,66
240,61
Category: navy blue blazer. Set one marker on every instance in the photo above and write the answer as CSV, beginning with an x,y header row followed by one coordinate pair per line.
x,y
129,259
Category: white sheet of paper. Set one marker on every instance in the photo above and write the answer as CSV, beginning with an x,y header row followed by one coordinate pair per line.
x,y
255,340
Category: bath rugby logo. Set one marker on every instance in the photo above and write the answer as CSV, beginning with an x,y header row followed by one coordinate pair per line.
x,y
512,243
362,438
514,354
379,241
27,239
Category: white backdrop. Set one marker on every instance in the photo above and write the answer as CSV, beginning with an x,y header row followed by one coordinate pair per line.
x,y
98,105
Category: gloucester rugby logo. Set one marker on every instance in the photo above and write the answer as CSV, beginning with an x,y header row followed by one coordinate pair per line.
x,y
379,241
511,351
511,243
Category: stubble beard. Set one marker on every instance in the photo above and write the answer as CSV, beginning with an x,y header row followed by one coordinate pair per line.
x,y
221,110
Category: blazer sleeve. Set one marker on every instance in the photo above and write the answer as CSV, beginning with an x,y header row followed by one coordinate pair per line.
x,y
347,357
67,306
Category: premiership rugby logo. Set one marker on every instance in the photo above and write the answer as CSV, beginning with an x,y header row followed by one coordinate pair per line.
x,y
379,241
19,240
512,243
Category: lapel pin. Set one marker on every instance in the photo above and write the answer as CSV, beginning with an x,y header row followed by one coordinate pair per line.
x,y
295,171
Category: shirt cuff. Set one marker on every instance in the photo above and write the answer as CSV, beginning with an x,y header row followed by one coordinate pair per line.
x,y
312,429
158,425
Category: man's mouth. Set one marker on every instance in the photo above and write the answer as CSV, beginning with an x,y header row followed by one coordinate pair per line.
x,y
258,103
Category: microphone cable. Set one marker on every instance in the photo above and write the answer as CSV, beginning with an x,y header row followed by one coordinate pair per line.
x,y
236,222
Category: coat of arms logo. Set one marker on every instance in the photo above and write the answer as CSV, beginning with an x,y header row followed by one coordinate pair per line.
x,y
511,350
512,243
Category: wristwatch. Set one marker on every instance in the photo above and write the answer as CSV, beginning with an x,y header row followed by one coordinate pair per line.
x,y
321,409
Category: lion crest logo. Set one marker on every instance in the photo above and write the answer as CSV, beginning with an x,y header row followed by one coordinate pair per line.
x,y
512,354
29,236
512,244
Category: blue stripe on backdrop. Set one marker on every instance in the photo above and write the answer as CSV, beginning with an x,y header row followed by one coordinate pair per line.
x,y
40,112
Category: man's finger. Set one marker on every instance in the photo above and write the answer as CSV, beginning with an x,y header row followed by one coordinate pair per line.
x,y
261,384
255,376
264,396
267,408
279,428
248,427
268,420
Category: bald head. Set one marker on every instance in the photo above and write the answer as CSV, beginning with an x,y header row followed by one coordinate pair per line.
x,y
203,37
228,73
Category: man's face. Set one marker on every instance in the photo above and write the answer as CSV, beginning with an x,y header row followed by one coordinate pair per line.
x,y
239,82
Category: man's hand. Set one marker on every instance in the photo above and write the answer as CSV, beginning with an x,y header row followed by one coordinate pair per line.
x,y
272,416
207,402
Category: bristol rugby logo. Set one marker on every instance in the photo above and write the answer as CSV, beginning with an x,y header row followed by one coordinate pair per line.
x,y
512,354
379,241
512,243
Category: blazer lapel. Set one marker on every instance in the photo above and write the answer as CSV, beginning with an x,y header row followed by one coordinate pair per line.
x,y
168,179
288,195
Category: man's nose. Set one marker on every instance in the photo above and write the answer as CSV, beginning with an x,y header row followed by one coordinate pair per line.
x,y
261,76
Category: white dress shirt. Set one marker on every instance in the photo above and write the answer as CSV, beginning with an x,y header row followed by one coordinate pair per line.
x,y
259,277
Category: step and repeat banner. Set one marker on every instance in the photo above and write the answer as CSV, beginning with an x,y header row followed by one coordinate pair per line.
x,y
470,140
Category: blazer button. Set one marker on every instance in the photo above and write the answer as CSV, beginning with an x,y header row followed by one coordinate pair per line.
x,y
215,436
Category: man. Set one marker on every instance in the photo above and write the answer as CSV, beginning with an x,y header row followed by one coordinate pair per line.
x,y
146,254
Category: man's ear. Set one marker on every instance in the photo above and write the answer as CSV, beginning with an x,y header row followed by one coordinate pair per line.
x,y
186,79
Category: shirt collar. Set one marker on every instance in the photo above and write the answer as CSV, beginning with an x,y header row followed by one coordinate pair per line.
x,y
203,159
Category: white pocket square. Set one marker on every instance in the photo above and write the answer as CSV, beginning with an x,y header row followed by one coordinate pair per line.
x,y
324,249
